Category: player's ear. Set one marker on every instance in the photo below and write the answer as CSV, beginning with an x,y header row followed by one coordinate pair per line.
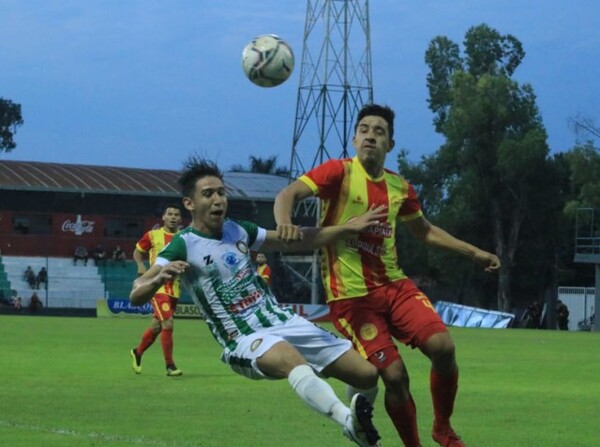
x,y
392,143
188,203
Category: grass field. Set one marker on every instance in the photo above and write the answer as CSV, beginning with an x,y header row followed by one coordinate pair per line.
x,y
67,382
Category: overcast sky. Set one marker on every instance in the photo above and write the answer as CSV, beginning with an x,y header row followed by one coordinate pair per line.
x,y
144,83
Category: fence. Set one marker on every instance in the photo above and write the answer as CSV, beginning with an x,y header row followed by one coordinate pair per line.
x,y
580,302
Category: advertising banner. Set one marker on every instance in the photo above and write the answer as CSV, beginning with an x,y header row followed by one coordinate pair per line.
x,y
123,308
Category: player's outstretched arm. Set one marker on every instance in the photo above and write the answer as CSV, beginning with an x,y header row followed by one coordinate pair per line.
x,y
315,237
146,285
282,210
435,236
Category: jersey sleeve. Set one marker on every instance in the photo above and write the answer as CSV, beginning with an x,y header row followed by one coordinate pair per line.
x,y
411,208
144,244
256,234
325,180
175,251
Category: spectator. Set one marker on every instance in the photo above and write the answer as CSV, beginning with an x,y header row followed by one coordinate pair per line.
x,y
119,255
29,276
534,315
80,253
562,315
35,304
99,255
42,277
18,303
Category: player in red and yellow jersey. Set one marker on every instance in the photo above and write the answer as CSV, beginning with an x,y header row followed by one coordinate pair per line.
x,y
262,268
165,299
370,298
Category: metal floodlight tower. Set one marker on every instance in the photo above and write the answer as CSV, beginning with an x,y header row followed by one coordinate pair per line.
x,y
335,82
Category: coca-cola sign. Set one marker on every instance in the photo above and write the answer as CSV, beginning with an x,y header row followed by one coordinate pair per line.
x,y
79,226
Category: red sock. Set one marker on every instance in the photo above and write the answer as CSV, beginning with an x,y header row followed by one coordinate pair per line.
x,y
147,340
443,394
166,340
404,418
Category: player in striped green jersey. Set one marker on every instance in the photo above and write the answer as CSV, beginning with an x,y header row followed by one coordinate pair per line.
x,y
260,339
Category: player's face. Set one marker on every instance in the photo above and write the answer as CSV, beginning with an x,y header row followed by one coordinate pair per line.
x,y
261,259
208,205
172,219
372,142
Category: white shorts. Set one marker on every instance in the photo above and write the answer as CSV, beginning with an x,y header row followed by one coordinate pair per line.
x,y
319,347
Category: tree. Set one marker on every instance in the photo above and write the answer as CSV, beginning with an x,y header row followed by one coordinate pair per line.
x,y
584,164
494,163
10,119
583,125
262,166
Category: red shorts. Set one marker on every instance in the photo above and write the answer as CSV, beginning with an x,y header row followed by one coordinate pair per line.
x,y
164,306
399,310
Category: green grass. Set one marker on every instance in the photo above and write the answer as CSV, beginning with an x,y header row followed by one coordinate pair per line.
x,y
67,382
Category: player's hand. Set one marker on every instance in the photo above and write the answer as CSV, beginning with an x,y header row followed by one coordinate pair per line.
x,y
289,232
171,271
375,216
489,261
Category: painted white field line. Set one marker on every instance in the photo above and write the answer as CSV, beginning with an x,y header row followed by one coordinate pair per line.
x,y
92,435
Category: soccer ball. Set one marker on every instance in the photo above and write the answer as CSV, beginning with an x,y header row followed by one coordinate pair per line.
x,y
268,60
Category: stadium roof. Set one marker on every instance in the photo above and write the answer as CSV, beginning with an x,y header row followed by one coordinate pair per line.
x,y
58,177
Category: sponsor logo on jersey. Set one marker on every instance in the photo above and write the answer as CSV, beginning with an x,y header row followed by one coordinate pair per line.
x,y
366,247
245,302
230,259
165,307
368,331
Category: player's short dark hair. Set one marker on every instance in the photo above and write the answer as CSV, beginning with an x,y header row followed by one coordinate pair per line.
x,y
195,168
384,112
176,205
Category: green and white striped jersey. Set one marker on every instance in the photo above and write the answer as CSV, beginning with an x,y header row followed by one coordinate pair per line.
x,y
223,282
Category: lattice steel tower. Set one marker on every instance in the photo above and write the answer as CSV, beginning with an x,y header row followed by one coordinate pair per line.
x,y
335,81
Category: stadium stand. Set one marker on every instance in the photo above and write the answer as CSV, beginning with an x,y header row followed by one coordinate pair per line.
x,y
117,279
68,285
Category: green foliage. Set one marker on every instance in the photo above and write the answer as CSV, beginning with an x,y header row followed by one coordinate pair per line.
x,y
10,119
584,164
493,176
263,166
72,386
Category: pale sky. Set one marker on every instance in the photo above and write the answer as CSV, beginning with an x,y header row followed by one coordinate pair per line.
x,y
144,83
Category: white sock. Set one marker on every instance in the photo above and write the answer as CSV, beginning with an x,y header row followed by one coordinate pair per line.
x,y
317,393
370,393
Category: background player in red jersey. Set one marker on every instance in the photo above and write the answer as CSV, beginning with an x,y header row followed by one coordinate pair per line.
x,y
370,298
165,299
262,268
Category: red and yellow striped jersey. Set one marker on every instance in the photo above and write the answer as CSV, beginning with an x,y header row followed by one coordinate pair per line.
x,y
264,271
353,267
152,242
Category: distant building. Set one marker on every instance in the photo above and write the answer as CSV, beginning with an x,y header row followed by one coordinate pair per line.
x,y
46,209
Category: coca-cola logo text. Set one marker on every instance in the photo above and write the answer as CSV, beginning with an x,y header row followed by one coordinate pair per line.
x,y
79,226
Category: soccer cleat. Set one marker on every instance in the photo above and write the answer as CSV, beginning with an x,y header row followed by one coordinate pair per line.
x,y
446,437
359,426
136,363
172,371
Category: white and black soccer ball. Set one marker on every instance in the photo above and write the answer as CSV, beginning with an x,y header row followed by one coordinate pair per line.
x,y
268,60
